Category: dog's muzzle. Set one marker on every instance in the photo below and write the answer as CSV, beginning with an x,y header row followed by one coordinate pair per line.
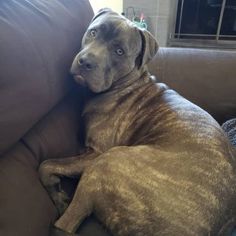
x,y
82,67
86,63
79,79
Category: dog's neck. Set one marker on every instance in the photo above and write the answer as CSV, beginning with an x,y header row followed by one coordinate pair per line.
x,y
107,115
136,78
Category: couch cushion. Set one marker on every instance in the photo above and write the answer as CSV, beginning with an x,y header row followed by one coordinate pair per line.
x,y
26,209
38,42
57,134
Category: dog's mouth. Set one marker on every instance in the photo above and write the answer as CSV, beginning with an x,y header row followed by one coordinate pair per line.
x,y
80,79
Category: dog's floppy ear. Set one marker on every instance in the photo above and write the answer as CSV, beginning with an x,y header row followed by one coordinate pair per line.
x,y
101,12
149,47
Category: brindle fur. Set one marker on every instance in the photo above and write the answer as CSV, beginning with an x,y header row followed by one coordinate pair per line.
x,y
157,164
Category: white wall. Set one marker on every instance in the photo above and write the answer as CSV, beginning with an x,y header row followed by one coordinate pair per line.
x,y
159,16
116,5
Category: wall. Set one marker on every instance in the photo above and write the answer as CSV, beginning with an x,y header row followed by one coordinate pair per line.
x,y
160,16
116,5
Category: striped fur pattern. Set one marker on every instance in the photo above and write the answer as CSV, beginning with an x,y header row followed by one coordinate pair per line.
x,y
158,164
177,178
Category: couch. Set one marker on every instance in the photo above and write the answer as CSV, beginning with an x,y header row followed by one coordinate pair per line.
x,y
40,105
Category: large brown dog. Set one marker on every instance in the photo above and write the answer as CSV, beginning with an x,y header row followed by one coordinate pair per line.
x,y
157,164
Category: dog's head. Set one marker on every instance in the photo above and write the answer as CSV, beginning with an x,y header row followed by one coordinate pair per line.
x,y
112,47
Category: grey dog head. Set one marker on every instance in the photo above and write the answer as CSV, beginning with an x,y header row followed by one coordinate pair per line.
x,y
112,47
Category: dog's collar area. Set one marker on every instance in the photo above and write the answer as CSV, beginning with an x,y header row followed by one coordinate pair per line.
x,y
149,78
135,78
133,83
146,78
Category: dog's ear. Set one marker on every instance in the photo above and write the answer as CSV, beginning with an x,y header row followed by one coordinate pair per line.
x,y
149,47
101,12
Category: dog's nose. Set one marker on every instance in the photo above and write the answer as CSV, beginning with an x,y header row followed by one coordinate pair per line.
x,y
85,63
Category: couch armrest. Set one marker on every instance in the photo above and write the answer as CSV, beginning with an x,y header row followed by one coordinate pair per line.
x,y
205,77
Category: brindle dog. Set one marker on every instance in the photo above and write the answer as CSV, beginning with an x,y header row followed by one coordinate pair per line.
x,y
157,164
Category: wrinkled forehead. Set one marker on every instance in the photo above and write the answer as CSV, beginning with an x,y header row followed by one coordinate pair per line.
x,y
116,27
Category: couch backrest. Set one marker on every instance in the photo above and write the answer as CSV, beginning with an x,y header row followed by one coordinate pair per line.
x,y
38,40
205,77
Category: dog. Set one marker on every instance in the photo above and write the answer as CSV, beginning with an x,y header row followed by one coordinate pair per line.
x,y
156,164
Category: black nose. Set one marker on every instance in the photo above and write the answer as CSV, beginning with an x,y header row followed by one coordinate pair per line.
x,y
86,63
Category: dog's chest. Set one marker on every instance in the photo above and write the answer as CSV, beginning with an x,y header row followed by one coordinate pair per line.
x,y
105,129
100,136
108,121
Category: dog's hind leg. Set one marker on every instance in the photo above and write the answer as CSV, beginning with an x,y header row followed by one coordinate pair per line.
x,y
50,172
80,207
57,232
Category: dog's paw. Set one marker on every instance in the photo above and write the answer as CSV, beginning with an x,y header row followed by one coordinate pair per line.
x,y
57,232
47,176
61,200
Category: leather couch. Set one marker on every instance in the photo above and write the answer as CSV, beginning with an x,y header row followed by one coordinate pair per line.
x,y
40,104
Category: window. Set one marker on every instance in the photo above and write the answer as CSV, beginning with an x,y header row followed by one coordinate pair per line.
x,y
205,23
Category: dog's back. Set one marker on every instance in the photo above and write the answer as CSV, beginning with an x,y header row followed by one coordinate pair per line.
x,y
154,188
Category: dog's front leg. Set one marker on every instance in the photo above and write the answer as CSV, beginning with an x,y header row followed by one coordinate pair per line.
x,y
50,172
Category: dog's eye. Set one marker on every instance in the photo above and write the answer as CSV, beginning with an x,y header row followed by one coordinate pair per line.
x,y
119,52
93,33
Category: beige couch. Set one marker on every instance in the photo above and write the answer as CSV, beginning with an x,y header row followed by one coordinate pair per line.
x,y
40,104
